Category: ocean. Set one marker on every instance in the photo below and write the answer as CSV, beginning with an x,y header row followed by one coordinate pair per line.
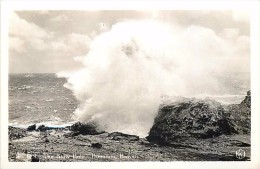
x,y
42,98
39,98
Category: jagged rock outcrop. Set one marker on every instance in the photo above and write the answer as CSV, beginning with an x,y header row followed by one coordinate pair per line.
x,y
85,128
193,118
247,101
42,128
241,114
31,127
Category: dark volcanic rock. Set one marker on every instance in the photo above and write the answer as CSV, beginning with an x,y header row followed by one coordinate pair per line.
x,y
241,114
32,127
96,145
35,159
121,136
42,128
247,101
191,118
16,133
86,128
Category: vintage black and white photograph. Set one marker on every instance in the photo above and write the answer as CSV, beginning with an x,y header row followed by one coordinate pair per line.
x,y
129,85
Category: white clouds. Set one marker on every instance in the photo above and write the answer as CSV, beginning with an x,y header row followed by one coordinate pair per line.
x,y
241,15
60,18
238,45
47,34
16,44
103,27
23,33
21,28
225,52
58,45
41,12
230,33
72,44
29,35
52,52
26,35
79,40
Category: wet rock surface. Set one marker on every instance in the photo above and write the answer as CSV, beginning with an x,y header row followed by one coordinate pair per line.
x,y
32,127
192,118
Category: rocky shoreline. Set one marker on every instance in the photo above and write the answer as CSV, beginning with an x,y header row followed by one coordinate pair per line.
x,y
190,130
61,145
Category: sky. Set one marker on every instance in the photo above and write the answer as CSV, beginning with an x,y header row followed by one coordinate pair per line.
x,y
51,41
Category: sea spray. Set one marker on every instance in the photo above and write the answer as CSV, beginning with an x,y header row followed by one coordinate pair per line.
x,y
130,67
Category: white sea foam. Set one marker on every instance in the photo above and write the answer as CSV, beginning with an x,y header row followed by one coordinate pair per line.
x,y
130,67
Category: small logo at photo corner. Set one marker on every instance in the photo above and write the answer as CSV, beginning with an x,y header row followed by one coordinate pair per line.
x,y
240,154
